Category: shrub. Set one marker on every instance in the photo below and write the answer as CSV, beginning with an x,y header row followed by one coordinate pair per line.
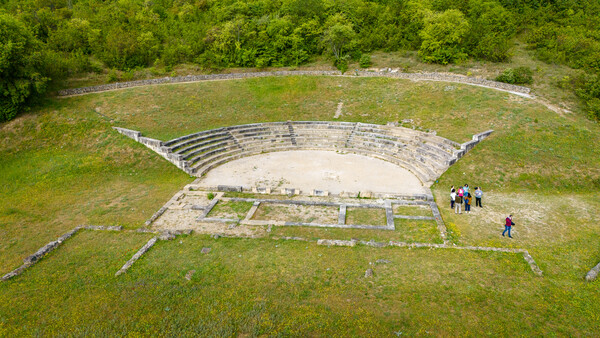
x,y
519,75
365,61
113,76
341,64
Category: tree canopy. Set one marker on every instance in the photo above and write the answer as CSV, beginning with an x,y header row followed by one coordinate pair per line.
x,y
20,66
57,38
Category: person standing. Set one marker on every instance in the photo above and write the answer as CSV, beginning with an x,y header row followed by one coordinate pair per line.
x,y
458,204
465,190
478,196
509,223
452,197
467,203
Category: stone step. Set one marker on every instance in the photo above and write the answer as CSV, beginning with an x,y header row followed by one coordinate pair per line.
x,y
194,155
175,142
423,156
200,144
207,156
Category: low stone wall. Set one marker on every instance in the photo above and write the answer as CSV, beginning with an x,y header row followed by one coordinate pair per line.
x,y
137,256
445,77
133,134
593,273
390,74
465,147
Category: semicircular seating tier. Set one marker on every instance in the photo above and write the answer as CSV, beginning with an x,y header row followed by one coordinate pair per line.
x,y
426,155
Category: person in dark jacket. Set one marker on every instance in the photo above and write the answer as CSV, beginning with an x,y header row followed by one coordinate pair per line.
x,y
508,225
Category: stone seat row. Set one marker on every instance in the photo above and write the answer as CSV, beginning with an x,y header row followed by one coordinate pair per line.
x,y
299,129
426,155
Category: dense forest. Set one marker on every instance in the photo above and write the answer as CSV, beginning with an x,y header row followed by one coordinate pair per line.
x,y
45,40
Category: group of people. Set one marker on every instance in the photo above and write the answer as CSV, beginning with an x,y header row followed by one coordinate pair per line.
x,y
463,195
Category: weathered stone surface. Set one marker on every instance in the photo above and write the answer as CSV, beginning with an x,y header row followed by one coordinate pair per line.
x,y
335,242
374,244
366,194
205,250
156,215
593,273
104,227
293,238
290,191
145,230
49,247
189,274
137,256
342,215
230,188
369,273
320,193
166,236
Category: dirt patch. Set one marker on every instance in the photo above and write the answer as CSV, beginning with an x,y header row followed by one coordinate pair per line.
x,y
194,198
174,219
538,218
297,213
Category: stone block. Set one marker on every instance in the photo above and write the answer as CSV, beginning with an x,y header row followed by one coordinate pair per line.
x,y
335,242
230,188
320,193
290,191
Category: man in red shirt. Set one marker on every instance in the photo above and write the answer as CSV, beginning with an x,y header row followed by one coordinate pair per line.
x,y
508,225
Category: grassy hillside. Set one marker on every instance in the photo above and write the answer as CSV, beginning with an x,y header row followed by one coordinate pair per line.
x,y
62,165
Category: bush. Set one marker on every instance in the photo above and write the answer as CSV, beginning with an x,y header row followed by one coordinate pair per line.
x,y
112,76
519,75
8,110
341,64
588,89
365,61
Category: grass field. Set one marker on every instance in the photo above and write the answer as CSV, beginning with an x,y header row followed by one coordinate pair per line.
x,y
62,165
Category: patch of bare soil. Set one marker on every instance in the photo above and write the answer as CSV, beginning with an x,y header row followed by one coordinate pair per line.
x,y
183,219
194,198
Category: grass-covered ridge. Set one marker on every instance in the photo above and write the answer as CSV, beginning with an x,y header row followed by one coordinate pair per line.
x,y
62,165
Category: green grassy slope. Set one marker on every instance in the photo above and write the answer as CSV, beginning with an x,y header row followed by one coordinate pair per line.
x,y
62,165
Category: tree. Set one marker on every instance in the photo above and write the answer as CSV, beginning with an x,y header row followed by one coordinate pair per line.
x,y
492,28
21,64
443,37
338,35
